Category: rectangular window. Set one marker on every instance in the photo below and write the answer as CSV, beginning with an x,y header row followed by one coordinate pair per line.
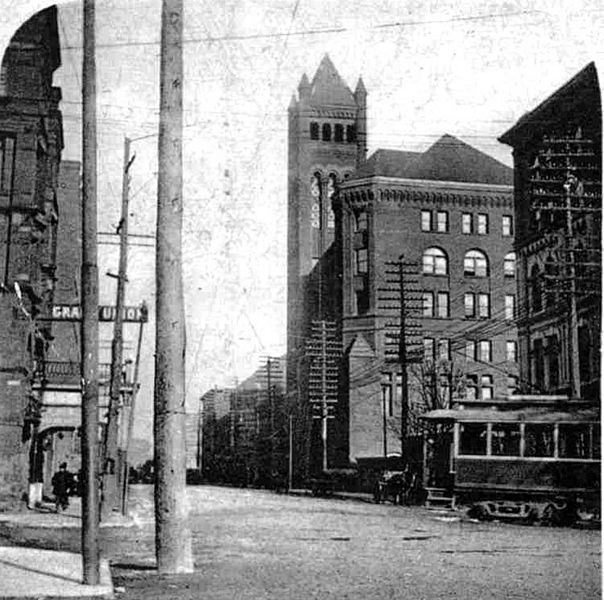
x,y
505,439
428,310
510,307
538,439
445,390
510,351
483,224
484,306
466,223
7,157
362,301
507,225
442,221
429,349
444,350
361,261
469,308
387,403
442,305
486,387
470,350
426,220
360,221
509,265
471,387
473,439
573,440
484,351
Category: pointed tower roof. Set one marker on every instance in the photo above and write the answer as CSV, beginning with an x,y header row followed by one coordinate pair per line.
x,y
360,89
328,87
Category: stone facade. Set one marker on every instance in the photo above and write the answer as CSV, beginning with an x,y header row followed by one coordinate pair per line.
x,y
558,203
31,141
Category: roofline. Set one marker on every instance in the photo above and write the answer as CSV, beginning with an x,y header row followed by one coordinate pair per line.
x,y
530,117
427,183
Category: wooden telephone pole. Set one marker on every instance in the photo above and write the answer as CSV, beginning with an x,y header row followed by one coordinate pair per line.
x,y
400,301
173,546
112,467
90,311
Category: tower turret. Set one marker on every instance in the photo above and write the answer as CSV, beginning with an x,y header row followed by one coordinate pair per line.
x,y
360,97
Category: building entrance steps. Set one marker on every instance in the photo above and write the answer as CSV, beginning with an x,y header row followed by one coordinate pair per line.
x,y
438,498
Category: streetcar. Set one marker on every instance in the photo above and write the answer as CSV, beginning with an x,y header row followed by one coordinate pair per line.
x,y
523,458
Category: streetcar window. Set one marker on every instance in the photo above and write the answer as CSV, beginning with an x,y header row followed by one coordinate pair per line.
x,y
473,438
596,440
505,439
573,440
538,439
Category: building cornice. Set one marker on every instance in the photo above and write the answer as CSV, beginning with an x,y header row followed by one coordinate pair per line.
x,y
381,181
394,189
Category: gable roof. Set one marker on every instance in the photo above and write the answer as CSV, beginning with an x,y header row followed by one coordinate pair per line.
x,y
579,94
448,159
327,87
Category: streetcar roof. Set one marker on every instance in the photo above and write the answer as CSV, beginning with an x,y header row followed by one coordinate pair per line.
x,y
532,414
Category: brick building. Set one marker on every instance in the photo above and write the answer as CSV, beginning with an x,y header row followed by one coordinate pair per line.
x,y
31,141
327,141
448,211
558,203
244,435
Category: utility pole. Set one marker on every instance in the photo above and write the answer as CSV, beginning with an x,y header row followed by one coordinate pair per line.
x,y
573,325
290,457
90,311
173,544
112,467
270,368
324,349
402,334
133,395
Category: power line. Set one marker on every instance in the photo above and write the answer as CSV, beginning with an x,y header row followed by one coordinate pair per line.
x,y
318,31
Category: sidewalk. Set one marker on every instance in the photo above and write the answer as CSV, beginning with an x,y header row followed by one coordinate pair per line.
x,y
29,573
40,553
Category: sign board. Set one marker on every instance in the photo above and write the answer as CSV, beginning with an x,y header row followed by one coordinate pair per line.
x,y
73,312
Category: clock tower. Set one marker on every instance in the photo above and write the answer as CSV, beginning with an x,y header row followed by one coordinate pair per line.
x,y
327,142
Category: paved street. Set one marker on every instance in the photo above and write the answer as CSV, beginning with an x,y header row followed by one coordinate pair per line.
x,y
255,544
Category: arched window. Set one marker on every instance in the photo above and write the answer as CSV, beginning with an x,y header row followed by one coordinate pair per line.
x,y
338,133
316,202
332,186
509,264
551,277
536,289
475,264
435,262
326,132
350,133
314,131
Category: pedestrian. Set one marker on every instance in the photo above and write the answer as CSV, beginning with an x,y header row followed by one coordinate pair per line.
x,y
61,483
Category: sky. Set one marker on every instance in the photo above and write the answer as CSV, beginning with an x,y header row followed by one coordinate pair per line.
x,y
470,69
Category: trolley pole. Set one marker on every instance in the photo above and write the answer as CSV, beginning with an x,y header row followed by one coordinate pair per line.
x,y
173,544
89,325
